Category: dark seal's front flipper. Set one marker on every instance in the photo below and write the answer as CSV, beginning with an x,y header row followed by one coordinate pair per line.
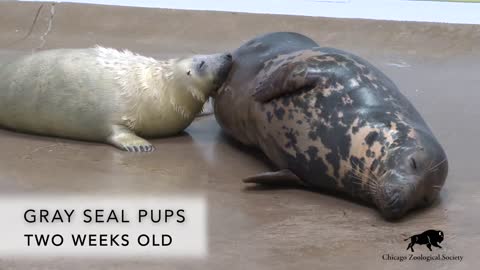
x,y
282,177
288,78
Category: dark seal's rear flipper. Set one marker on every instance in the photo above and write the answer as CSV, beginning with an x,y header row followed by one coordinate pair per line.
x,y
282,177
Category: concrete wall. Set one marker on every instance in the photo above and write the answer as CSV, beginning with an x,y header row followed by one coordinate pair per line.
x,y
456,11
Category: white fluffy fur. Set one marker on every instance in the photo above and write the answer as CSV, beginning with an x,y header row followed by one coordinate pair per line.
x,y
149,88
101,94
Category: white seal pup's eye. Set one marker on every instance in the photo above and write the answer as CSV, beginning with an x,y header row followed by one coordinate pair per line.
x,y
201,65
189,72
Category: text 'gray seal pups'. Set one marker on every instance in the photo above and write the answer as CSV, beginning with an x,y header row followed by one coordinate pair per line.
x,y
330,120
105,95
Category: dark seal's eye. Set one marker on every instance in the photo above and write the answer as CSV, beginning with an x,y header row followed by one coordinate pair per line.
x,y
189,72
413,163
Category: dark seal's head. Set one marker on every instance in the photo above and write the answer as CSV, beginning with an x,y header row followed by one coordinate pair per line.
x,y
415,168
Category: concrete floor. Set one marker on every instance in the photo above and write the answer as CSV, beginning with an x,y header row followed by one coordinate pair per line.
x,y
435,65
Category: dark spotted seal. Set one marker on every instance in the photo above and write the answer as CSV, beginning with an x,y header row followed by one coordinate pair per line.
x,y
429,238
332,121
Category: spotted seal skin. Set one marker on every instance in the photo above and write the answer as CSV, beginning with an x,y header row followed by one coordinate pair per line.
x,y
330,120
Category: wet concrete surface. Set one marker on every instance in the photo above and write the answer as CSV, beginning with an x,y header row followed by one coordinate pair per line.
x,y
435,65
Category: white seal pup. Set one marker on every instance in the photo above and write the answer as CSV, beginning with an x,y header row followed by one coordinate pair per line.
x,y
106,95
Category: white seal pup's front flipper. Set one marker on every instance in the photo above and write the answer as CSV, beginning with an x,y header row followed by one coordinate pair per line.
x,y
127,140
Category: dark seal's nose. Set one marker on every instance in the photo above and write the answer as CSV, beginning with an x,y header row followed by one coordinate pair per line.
x,y
228,56
394,198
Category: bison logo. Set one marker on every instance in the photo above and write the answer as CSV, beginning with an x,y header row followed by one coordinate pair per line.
x,y
429,238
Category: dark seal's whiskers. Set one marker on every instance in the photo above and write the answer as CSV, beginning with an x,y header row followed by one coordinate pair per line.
x,y
433,168
359,177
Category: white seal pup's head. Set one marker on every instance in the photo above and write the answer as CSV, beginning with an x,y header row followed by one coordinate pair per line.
x,y
190,81
202,74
